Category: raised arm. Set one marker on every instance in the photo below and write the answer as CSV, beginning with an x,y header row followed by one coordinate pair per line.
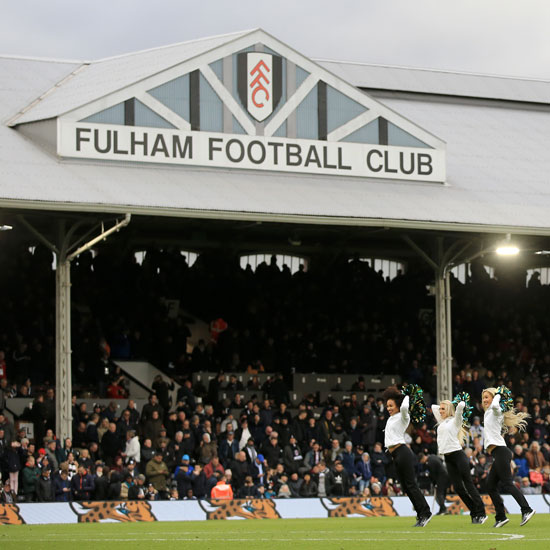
x,y
495,405
458,413
405,409
436,413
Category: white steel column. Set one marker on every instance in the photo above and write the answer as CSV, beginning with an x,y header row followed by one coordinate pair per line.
x,y
443,335
63,393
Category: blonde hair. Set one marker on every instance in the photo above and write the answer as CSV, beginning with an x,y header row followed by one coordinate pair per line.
x,y
463,432
513,420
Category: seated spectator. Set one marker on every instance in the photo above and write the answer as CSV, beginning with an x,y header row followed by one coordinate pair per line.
x,y
138,491
527,488
521,462
308,489
363,472
534,457
248,490
7,496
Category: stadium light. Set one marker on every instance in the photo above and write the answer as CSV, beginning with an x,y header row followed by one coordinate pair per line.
x,y
507,247
5,227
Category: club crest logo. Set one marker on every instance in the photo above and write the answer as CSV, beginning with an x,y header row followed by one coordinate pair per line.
x,y
259,83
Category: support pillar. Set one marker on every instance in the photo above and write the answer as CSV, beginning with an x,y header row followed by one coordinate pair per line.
x,y
63,393
443,334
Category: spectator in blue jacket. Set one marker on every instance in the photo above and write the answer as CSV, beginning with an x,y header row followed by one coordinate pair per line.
x,y
62,487
82,485
521,462
348,459
363,472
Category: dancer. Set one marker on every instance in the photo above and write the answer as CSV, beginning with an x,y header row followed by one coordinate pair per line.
x,y
500,416
451,436
397,405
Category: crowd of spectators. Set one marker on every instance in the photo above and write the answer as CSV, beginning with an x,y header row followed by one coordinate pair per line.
x,y
341,318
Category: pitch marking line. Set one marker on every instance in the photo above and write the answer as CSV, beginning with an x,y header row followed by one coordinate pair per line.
x,y
503,537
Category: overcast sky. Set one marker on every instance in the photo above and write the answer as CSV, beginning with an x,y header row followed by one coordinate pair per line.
x,y
502,37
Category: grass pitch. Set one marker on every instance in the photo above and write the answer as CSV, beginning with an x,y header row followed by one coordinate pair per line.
x,y
448,532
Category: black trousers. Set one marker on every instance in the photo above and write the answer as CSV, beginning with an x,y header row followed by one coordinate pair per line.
x,y
501,472
458,468
404,460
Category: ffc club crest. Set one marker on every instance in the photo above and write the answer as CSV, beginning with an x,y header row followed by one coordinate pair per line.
x,y
259,83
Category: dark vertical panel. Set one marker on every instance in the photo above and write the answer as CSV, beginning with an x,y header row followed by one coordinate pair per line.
x,y
195,100
382,131
242,68
322,109
130,112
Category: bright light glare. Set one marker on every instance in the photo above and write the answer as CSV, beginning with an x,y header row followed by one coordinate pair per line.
x,y
508,250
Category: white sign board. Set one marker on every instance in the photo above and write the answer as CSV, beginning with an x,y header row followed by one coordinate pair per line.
x,y
153,145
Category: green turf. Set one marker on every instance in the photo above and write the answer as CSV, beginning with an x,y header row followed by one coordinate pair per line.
x,y
444,532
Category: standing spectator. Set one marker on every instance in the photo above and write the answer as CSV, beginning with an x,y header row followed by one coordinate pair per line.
x,y
7,426
44,488
157,473
30,477
101,482
13,460
110,444
207,449
62,487
228,448
340,480
133,448
82,485
222,490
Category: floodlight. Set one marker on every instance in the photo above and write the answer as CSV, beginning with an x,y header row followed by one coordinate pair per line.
x,y
507,247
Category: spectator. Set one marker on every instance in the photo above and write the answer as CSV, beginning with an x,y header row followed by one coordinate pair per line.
x,y
44,487
62,487
82,485
30,477
222,490
138,491
157,473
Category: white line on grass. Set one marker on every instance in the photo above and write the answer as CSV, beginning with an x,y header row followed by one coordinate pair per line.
x,y
200,539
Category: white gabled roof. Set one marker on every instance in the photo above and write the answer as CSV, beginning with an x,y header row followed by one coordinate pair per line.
x,y
498,159
100,78
438,82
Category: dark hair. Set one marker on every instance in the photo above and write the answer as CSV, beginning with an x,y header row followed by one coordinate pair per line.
x,y
393,393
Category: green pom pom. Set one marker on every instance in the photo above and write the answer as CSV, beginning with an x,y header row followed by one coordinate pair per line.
x,y
417,407
506,401
468,409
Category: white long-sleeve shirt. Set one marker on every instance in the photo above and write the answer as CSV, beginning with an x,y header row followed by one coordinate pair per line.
x,y
133,449
396,425
493,420
447,430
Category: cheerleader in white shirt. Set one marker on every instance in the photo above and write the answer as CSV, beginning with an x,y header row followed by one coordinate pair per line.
x,y
397,406
500,416
451,436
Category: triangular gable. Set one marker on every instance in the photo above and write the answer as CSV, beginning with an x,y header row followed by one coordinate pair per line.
x,y
257,90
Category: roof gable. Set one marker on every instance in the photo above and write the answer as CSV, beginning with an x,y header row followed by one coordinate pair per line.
x,y
246,84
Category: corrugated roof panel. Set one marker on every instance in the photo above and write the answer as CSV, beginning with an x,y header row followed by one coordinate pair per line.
x,y
103,77
427,81
24,80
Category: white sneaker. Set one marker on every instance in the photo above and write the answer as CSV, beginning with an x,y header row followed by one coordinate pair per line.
x,y
501,523
526,517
